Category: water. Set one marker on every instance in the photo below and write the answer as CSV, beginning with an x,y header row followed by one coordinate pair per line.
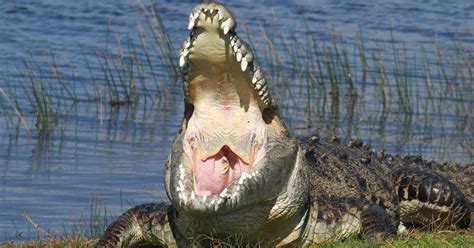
x,y
117,154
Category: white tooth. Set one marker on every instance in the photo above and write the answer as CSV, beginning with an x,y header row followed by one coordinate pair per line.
x,y
182,61
238,188
220,17
238,43
181,184
185,52
191,24
241,181
234,195
265,97
212,202
205,10
235,48
204,198
243,65
226,29
193,195
257,75
220,201
258,86
216,207
185,197
248,57
238,56
223,194
211,11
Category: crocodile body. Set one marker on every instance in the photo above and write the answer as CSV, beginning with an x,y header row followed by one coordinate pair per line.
x,y
236,174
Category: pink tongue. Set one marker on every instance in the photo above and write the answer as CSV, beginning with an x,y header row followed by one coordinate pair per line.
x,y
215,173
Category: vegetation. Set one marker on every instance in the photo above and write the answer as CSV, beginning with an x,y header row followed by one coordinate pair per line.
x,y
325,80
439,239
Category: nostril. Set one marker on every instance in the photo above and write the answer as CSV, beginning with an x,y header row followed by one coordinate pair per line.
x,y
225,150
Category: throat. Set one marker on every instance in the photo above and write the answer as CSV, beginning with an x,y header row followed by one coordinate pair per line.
x,y
223,140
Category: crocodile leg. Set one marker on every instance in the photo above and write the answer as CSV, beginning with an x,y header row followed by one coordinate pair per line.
x,y
337,219
428,199
148,223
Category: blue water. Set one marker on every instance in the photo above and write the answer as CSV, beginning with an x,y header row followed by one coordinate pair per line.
x,y
114,156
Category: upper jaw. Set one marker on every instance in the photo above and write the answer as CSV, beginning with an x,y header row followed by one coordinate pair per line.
x,y
213,39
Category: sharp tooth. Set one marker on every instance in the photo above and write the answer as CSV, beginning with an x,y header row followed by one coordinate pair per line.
x,y
238,56
193,195
191,24
235,48
238,188
257,75
238,43
187,43
243,65
211,11
204,198
265,98
223,194
258,86
248,57
185,197
182,61
220,17
226,29
216,207
241,180
185,52
220,201
212,202
205,10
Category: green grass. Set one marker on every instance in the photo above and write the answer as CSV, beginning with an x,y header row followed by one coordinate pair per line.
x,y
438,239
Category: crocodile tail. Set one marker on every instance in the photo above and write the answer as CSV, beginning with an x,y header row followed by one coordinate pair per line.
x,y
146,223
428,199
461,175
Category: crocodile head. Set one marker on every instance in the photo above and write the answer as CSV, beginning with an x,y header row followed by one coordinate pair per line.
x,y
233,155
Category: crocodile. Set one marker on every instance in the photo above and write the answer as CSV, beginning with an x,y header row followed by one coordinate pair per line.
x,y
236,174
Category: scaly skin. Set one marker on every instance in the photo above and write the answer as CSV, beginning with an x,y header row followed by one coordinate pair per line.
x,y
236,174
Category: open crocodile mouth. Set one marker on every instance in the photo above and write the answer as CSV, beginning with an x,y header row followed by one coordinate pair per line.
x,y
225,134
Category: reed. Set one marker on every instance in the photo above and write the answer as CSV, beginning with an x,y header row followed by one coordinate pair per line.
x,y
325,77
